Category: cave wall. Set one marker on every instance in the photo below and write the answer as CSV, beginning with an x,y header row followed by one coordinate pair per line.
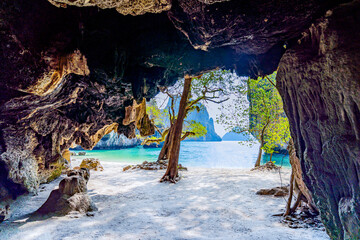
x,y
319,80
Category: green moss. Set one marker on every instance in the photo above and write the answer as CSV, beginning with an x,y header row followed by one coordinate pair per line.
x,y
55,173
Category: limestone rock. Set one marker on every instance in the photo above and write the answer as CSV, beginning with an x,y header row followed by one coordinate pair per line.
x,y
202,117
349,217
276,192
91,164
66,154
127,168
318,81
83,172
199,22
4,213
70,196
133,7
115,141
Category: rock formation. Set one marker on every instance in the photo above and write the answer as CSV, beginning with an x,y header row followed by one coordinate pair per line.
x,y
134,7
70,196
116,141
202,117
4,213
319,81
91,164
233,136
276,191
69,76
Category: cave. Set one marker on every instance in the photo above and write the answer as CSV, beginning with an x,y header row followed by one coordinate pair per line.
x,y
69,69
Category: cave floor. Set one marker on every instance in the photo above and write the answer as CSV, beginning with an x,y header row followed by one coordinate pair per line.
x,y
205,204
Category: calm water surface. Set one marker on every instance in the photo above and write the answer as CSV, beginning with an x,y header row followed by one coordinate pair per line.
x,y
193,154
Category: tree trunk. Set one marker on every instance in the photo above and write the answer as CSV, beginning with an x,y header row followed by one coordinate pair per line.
x,y
175,137
271,157
165,149
288,205
258,161
297,172
297,203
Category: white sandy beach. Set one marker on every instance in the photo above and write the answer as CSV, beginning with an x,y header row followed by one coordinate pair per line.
x,y
205,204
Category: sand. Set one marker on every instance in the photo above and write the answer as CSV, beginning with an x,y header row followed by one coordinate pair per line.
x,y
206,204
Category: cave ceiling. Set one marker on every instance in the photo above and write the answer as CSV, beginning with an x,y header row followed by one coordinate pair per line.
x,y
182,37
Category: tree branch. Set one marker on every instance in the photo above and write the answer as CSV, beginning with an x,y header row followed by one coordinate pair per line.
x,y
270,81
186,135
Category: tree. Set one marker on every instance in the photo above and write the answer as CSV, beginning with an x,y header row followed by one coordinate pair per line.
x,y
212,87
258,110
159,118
297,184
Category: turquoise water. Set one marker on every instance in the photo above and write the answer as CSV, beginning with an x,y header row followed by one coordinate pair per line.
x,y
225,154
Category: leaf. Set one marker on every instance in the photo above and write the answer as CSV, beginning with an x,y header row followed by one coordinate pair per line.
x,y
258,110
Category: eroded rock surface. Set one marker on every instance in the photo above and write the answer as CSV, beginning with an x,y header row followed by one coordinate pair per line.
x,y
133,7
70,196
276,191
4,213
251,27
319,82
91,164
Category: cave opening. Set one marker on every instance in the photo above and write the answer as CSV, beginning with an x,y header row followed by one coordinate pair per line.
x,y
69,70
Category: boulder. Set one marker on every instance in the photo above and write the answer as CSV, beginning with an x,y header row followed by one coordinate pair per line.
x,y
66,154
70,196
276,192
153,145
127,168
83,172
4,213
91,164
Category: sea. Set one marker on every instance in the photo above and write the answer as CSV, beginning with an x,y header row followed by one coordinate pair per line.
x,y
225,154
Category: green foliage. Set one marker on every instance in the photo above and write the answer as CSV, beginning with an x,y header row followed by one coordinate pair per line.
x,y
277,134
214,86
258,110
157,115
196,128
191,129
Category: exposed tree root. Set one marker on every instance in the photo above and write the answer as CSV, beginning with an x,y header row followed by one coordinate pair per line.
x,y
158,165
267,166
291,190
171,179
